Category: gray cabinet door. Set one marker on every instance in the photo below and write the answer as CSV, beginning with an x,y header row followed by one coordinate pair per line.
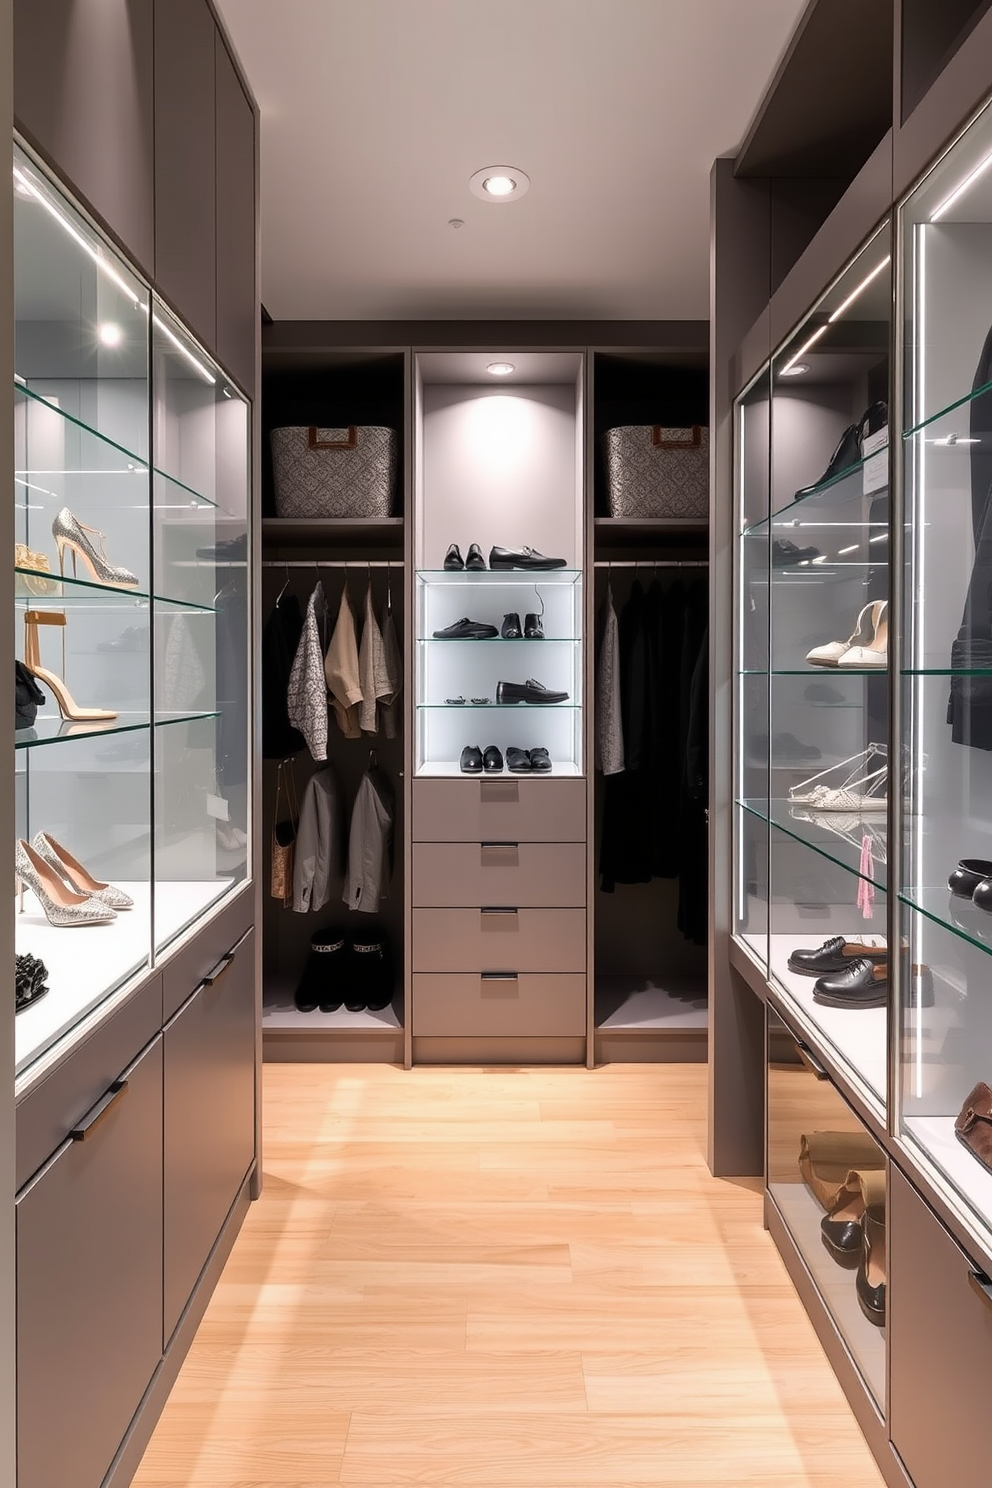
x,y
185,135
83,94
209,1117
237,311
89,1286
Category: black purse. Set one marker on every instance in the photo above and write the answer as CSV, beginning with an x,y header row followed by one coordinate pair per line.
x,y
28,697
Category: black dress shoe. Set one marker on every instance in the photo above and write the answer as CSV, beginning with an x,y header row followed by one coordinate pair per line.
x,y
785,554
453,560
540,761
522,558
872,1298
527,692
835,954
865,984
467,630
982,897
475,559
510,629
492,761
471,760
967,876
533,628
518,761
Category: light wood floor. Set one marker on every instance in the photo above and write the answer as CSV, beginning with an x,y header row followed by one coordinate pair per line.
x,y
502,1279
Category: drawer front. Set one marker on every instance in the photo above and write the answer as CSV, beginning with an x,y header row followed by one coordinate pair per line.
x,y
940,1348
514,810
525,1006
499,940
452,875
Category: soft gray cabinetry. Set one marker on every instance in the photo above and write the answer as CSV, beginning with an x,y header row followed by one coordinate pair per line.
x,y
236,313
83,96
185,163
89,1295
209,1117
940,1322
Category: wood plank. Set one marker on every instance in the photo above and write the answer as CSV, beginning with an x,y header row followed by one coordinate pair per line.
x,y
493,1278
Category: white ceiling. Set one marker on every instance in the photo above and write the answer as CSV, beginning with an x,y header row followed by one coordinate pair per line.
x,y
375,113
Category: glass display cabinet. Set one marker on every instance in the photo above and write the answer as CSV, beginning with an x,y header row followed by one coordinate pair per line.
x,y
944,1024
131,595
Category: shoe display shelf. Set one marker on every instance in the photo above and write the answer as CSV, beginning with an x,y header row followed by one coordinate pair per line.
x,y
131,606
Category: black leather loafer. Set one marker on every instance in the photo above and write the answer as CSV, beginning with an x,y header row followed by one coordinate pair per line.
x,y
522,558
475,559
527,692
453,560
872,1298
540,761
966,877
467,630
510,629
492,761
518,761
533,629
834,955
471,760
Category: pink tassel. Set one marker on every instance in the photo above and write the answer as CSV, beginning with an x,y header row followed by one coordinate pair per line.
x,y
866,889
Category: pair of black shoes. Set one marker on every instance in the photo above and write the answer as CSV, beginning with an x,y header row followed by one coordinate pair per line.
x,y
476,761
972,879
853,975
354,972
478,630
499,558
532,629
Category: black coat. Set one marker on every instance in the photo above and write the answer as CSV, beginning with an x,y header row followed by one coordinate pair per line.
x,y
280,639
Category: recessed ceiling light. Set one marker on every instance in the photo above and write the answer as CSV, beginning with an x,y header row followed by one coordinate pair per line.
x,y
110,333
796,370
499,183
500,369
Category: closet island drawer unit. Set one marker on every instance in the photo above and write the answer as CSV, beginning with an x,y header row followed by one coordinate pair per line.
x,y
499,1004
497,873
493,939
475,810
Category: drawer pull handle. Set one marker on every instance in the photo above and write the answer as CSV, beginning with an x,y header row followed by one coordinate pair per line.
x,y
811,1062
224,964
500,846
498,911
982,1285
96,1113
499,976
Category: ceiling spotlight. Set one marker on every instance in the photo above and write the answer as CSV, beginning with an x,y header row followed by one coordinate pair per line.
x,y
456,222
499,183
500,369
796,370
110,333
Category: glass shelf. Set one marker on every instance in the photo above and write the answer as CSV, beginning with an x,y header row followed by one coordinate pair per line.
x,y
468,707
838,489
497,641
134,464
198,499
812,672
63,730
90,592
951,408
514,577
959,916
820,837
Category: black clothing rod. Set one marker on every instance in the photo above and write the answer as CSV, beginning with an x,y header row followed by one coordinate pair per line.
x,y
333,563
649,563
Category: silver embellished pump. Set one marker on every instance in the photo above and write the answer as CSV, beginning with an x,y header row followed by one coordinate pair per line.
x,y
70,533
63,907
75,876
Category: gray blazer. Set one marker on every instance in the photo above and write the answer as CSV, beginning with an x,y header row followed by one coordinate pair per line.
x,y
317,861
370,844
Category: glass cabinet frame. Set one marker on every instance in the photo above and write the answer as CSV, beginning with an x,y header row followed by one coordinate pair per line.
x,y
131,592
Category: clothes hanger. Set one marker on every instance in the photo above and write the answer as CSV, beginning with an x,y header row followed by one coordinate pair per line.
x,y
285,586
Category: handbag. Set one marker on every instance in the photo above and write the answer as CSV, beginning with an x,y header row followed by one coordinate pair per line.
x,y
284,831
28,697
321,472
656,472
973,1127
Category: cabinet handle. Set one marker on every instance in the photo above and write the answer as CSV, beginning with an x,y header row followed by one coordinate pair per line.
x,y
982,1285
811,1062
96,1113
498,911
499,976
223,965
500,846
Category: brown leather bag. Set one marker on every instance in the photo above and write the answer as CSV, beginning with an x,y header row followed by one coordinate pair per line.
x,y
974,1124
284,835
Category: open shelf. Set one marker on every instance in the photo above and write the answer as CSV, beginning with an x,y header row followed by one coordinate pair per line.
x,y
279,1011
618,532
651,1004
322,532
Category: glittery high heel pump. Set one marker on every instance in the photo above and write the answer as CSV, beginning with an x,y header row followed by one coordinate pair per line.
x,y
75,876
63,907
69,532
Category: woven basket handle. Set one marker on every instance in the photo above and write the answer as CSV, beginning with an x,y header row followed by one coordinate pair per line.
x,y
339,444
673,444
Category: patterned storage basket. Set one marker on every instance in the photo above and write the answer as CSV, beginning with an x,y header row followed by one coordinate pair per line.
x,y
656,472
334,472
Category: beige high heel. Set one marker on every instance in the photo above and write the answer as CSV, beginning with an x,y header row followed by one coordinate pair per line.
x,y
876,652
68,707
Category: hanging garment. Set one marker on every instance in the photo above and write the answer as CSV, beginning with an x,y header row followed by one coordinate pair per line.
x,y
693,837
341,670
625,847
232,683
370,843
306,698
371,669
969,706
665,621
184,676
280,638
609,723
388,706
319,859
